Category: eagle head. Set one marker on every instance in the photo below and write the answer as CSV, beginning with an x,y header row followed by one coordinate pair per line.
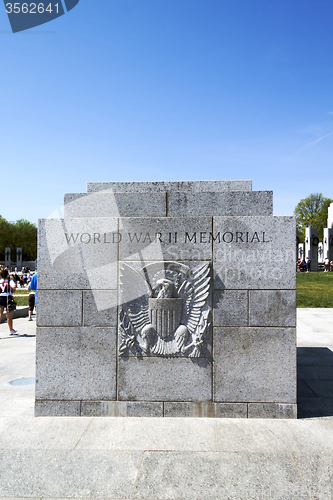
x,y
165,289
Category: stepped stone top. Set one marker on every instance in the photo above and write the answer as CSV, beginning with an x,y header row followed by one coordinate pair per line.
x,y
168,199
184,186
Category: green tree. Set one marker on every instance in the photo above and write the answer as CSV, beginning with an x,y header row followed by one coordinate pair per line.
x,y
4,236
21,233
312,211
25,236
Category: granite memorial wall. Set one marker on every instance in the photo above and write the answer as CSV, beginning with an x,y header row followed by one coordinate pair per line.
x,y
167,299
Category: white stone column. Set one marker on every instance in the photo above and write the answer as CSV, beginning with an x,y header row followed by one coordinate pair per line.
x,y
330,216
7,257
311,246
19,256
328,243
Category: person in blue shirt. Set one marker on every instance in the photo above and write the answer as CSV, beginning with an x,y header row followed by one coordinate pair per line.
x,y
33,286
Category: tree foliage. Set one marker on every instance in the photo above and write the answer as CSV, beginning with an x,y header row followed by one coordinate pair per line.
x,y
21,233
312,211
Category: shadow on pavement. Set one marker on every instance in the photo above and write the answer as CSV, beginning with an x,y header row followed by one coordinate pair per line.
x,y
314,382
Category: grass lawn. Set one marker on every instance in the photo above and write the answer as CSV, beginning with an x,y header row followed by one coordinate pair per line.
x,y
23,301
314,289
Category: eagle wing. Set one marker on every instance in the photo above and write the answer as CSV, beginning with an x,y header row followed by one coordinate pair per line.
x,y
134,293
196,291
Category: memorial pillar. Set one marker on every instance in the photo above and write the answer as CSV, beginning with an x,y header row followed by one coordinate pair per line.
x,y
19,255
177,299
7,257
330,216
311,246
328,243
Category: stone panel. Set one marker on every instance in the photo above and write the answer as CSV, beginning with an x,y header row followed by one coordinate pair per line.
x,y
59,308
161,379
254,252
111,204
231,308
100,308
171,238
254,365
272,308
76,363
133,296
57,408
78,253
153,187
218,204
121,409
206,410
272,410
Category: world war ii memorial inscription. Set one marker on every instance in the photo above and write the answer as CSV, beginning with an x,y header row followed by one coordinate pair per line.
x,y
167,299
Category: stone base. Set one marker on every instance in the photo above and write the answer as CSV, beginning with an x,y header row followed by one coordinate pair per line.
x,y
164,409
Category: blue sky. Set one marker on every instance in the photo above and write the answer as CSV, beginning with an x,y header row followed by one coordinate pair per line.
x,y
130,90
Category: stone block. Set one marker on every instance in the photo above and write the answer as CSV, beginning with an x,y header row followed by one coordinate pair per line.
x,y
169,186
57,408
220,476
233,203
231,410
64,474
254,364
164,379
121,409
168,238
112,204
59,308
316,471
78,253
168,298
254,252
231,308
76,363
100,308
272,410
147,433
272,308
206,410
41,433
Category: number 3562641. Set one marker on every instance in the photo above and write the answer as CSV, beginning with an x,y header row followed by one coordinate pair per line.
x,y
31,8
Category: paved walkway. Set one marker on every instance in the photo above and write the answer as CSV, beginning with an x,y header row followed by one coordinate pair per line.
x,y
170,458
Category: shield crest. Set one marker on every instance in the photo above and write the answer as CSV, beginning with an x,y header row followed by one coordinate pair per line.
x,y
165,315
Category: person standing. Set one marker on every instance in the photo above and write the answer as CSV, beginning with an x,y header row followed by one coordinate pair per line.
x,y
308,265
327,265
33,286
7,286
31,301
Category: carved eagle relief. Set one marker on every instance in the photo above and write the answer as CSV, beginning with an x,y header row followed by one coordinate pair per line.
x,y
164,310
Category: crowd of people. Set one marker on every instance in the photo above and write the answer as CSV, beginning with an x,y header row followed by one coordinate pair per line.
x,y
8,286
304,265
